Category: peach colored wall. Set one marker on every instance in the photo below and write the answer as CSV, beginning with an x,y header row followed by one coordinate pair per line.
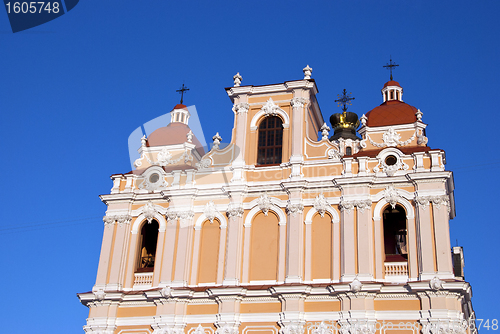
x,y
322,247
321,306
202,309
269,307
388,305
264,247
143,311
209,252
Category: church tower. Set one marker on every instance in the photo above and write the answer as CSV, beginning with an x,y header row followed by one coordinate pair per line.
x,y
284,231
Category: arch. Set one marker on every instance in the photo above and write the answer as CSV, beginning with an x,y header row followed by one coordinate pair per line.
x,y
395,226
148,245
255,210
329,209
270,141
209,252
140,220
261,113
202,218
382,203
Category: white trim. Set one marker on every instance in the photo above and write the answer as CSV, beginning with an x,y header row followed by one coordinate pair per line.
x,y
377,212
202,218
260,113
313,211
255,210
141,218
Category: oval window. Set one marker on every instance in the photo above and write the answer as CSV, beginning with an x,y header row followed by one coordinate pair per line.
x,y
154,177
391,160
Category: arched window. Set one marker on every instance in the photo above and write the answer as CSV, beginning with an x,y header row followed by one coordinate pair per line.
x,y
395,234
270,141
148,241
348,150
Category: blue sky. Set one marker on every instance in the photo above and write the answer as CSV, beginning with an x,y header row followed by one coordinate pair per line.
x,y
72,91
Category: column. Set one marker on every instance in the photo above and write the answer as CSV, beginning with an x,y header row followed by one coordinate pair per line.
x,y
234,243
295,238
348,242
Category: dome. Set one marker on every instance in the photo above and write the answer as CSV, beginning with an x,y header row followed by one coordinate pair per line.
x,y
172,134
180,106
392,83
391,113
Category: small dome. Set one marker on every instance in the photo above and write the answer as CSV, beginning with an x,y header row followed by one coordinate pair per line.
x,y
392,83
180,106
172,134
391,113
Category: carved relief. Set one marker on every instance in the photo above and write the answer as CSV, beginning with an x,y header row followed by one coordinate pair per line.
x,y
391,139
391,195
294,208
270,108
297,102
210,211
321,204
334,154
234,210
264,203
149,211
241,108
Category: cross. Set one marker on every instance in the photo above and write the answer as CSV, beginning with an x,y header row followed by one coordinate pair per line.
x,y
181,91
344,100
391,65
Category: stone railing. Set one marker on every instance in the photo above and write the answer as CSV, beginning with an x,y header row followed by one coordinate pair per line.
x,y
143,279
396,269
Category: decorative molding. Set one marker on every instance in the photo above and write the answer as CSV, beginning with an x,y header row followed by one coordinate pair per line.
x,y
437,201
166,292
159,184
227,329
436,283
204,164
325,131
164,158
294,327
444,326
170,215
234,210
392,196
322,328
210,211
355,286
357,326
264,203
334,154
297,102
158,329
346,205
307,72
217,139
294,208
270,108
321,204
149,211
241,108
189,136
361,205
237,79
391,139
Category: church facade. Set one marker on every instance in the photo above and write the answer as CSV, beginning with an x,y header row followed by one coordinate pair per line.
x,y
283,231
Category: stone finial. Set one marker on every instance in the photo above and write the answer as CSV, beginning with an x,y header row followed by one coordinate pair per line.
x,y
237,79
217,139
189,136
307,72
143,141
325,130
419,115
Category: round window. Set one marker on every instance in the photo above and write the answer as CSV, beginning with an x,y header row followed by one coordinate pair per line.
x,y
153,178
391,160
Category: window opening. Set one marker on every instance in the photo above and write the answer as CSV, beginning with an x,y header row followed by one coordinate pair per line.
x,y
395,234
348,150
149,239
270,141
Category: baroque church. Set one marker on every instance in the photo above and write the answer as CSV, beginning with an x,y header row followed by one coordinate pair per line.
x,y
284,231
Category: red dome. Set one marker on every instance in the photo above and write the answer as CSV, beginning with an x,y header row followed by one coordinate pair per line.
x,y
174,133
391,113
180,106
392,83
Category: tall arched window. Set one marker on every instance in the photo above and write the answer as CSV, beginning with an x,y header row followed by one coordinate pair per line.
x,y
270,141
148,241
395,234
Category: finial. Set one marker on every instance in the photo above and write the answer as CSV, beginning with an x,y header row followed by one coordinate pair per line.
x,y
307,72
419,115
217,138
390,66
181,91
344,100
325,130
363,119
189,136
143,141
237,79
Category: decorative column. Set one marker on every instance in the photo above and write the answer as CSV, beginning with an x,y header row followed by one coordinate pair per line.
x,y
441,214
119,251
295,238
234,243
169,248
184,246
105,257
364,239
348,242
298,120
240,110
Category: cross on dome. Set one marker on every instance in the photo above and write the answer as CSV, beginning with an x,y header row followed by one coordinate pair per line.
x,y
390,66
181,91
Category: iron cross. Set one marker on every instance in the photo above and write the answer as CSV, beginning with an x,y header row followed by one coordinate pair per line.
x,y
181,91
344,100
390,66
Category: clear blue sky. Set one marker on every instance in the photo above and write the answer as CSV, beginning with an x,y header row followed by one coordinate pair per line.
x,y
72,90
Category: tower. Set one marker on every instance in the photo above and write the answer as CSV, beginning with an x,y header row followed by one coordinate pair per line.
x,y
281,231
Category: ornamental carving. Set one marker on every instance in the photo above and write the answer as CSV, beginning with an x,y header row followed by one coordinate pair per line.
x,y
437,201
355,285
120,219
321,205
325,131
297,102
334,154
210,211
361,205
203,164
322,329
390,170
241,108
149,211
391,139
99,294
294,208
152,183
292,328
227,329
168,330
436,283
442,326
346,205
391,195
264,203
166,292
270,108
199,330
357,326
171,215
234,210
